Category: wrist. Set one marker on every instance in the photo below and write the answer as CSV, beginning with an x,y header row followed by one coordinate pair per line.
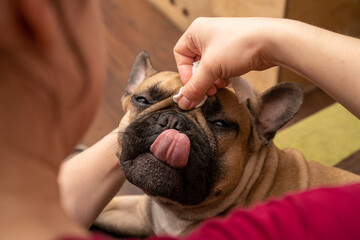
x,y
284,41
274,39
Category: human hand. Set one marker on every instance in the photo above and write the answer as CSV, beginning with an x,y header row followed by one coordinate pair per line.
x,y
227,47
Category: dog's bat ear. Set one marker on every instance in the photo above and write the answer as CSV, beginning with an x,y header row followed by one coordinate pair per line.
x,y
141,69
275,107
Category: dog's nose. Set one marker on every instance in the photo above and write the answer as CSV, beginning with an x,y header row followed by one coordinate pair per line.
x,y
172,121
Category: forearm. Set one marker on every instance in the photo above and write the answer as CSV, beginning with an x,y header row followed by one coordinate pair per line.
x,y
89,180
327,59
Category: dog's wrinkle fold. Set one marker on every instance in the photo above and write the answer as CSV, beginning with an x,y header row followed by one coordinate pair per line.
x,y
159,94
195,192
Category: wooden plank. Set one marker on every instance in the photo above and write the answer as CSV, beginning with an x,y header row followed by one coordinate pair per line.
x,y
246,8
351,163
337,15
183,12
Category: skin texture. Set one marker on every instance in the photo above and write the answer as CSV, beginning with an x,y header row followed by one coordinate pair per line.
x,y
227,48
85,203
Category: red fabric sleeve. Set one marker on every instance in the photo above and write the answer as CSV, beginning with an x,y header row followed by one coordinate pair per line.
x,y
326,213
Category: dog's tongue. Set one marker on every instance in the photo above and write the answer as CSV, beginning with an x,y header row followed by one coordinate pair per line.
x,y
172,147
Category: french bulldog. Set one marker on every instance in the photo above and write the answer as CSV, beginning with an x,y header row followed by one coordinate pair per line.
x,y
193,165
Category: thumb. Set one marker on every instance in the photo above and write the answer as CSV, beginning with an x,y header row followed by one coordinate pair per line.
x,y
195,89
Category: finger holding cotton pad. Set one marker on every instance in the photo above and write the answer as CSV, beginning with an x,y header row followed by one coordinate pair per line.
x,y
176,98
242,89
185,103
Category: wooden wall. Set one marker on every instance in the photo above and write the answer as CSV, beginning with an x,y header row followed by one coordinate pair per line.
x,y
342,16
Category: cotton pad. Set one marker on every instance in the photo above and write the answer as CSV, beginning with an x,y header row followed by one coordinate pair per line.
x,y
176,97
242,88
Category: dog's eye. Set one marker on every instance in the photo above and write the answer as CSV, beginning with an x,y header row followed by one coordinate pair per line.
x,y
141,100
220,123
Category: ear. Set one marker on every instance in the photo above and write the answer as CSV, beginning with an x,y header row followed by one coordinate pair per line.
x,y
140,70
274,108
38,20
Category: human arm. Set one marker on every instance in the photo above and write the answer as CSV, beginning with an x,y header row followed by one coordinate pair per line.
x,y
234,46
89,180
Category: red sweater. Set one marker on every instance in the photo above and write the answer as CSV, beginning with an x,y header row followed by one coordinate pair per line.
x,y
326,213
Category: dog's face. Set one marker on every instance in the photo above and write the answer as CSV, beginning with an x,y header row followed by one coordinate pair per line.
x,y
193,157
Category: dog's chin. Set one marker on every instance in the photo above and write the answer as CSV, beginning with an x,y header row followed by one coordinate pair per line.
x,y
188,186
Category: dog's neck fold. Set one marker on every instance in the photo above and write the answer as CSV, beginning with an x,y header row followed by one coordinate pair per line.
x,y
244,194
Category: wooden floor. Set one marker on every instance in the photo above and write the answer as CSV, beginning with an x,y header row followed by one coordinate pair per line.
x,y
135,25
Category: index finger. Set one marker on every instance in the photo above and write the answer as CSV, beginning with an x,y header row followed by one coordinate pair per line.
x,y
185,53
196,88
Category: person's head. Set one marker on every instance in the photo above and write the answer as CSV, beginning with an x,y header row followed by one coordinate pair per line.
x,y
51,71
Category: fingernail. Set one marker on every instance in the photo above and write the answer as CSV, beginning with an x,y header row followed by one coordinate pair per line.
x,y
184,103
